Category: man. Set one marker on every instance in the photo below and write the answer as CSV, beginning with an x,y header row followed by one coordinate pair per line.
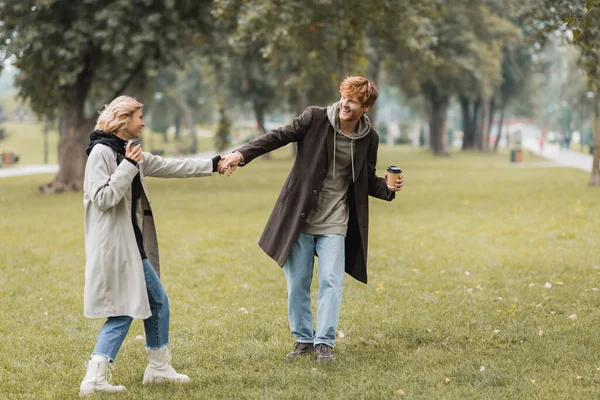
x,y
323,208
121,271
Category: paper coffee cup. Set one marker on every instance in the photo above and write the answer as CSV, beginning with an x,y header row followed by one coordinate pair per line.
x,y
393,172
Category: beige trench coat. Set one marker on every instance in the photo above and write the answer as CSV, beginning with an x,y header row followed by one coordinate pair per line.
x,y
114,275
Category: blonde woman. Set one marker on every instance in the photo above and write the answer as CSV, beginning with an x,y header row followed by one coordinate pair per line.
x,y
122,267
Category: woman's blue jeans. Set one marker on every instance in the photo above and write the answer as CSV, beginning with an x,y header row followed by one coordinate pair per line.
x,y
298,269
156,326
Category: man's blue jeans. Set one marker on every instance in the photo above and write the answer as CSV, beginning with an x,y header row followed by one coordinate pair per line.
x,y
298,270
156,326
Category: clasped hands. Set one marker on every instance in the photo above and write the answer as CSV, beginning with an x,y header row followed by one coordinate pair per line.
x,y
229,163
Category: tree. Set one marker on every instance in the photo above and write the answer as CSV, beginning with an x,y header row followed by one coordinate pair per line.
x,y
579,21
74,56
462,57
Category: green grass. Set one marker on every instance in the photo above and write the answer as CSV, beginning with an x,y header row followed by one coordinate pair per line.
x,y
457,272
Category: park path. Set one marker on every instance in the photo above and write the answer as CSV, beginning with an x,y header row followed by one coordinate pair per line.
x,y
553,152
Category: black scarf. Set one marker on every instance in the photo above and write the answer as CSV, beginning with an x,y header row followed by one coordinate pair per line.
x,y
108,139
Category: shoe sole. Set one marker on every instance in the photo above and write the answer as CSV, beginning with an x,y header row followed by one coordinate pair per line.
x,y
149,381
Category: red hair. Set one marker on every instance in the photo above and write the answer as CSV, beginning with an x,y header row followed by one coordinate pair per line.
x,y
360,87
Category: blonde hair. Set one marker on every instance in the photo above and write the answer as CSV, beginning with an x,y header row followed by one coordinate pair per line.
x,y
115,116
360,87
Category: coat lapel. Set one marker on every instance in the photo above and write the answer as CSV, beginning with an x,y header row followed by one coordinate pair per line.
x,y
330,133
361,147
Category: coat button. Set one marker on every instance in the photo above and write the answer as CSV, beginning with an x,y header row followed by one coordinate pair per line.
x,y
324,171
314,192
302,215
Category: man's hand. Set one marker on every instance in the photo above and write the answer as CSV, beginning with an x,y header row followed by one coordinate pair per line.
x,y
134,153
399,184
230,162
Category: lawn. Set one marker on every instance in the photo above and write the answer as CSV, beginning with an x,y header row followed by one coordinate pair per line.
x,y
482,285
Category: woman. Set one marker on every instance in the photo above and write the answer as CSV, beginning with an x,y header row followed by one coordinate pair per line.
x,y
122,267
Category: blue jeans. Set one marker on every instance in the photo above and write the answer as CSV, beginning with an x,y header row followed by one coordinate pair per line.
x,y
298,270
156,327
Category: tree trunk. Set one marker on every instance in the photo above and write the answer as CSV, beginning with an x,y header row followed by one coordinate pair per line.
x,y
73,139
492,110
189,121
259,113
466,123
485,137
437,122
177,126
373,71
477,125
499,135
595,178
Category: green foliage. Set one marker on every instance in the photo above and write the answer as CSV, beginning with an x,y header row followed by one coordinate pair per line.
x,y
66,51
450,289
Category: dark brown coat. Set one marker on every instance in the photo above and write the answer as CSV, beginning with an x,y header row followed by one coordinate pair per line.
x,y
314,135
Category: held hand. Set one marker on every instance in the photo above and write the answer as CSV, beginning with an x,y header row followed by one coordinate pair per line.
x,y
230,162
220,168
399,184
134,153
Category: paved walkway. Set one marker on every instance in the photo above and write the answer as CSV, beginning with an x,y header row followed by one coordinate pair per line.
x,y
28,170
562,157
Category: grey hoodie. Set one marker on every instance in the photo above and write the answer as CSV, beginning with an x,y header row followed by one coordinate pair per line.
x,y
331,214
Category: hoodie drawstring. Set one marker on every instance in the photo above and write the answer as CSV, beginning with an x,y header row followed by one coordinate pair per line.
x,y
352,158
334,144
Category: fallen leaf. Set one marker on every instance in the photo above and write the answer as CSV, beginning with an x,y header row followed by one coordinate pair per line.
x,y
400,392
573,317
313,369
243,310
548,285
540,332
341,334
482,369
496,331
578,377
447,381
531,284
467,273
139,337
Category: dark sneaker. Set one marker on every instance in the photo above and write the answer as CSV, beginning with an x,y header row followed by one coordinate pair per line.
x,y
300,349
324,352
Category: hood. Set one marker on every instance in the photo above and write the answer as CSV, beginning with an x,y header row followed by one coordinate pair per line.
x,y
108,139
362,127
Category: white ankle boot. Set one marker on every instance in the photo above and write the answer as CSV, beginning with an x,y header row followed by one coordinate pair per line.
x,y
159,369
95,379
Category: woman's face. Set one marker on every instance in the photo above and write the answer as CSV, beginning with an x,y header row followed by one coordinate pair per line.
x,y
133,129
